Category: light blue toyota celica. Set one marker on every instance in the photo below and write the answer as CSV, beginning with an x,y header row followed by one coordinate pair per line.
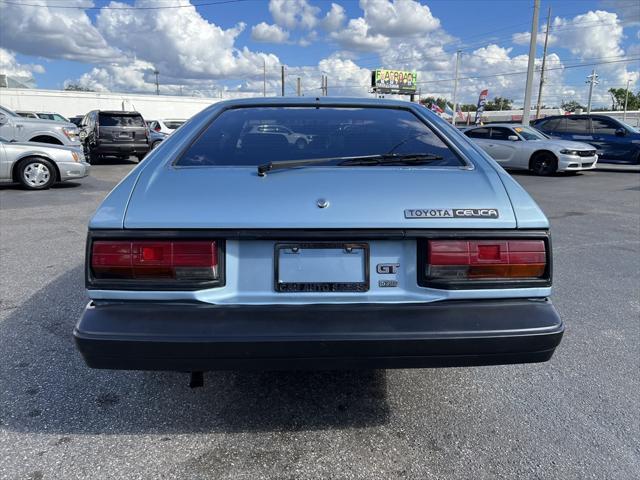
x,y
380,238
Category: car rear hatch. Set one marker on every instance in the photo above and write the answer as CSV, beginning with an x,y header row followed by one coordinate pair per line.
x,y
122,128
355,197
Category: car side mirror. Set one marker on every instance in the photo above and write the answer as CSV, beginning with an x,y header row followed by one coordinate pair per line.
x,y
621,132
513,138
3,119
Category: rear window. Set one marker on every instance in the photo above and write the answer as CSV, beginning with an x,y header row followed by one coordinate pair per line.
x,y
119,120
173,124
253,136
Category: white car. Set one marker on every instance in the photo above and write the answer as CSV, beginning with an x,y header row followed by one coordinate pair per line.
x,y
37,166
299,140
166,126
525,148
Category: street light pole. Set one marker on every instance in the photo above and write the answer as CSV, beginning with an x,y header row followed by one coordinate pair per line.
x,y
626,97
544,61
282,78
526,113
591,80
264,77
455,88
156,73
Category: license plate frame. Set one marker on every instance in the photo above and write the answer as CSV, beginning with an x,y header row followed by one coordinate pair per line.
x,y
321,286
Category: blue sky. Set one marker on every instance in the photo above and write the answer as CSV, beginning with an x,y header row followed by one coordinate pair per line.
x,y
211,48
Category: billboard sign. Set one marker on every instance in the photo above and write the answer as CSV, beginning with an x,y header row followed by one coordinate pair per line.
x,y
394,81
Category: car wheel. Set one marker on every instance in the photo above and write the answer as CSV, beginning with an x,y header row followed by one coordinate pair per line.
x,y
91,157
301,144
36,173
543,163
155,144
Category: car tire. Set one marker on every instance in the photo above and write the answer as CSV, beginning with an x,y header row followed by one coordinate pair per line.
x,y
543,163
91,157
36,173
155,144
301,144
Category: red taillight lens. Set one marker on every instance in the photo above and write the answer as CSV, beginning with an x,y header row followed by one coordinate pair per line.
x,y
455,260
181,261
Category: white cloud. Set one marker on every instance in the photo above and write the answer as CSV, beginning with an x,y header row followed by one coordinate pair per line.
x,y
263,32
294,13
180,42
335,18
523,38
36,29
21,72
400,18
356,36
384,20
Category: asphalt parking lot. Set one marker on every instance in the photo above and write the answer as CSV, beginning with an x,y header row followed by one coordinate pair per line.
x,y
576,417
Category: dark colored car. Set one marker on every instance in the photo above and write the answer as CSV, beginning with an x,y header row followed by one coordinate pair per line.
x,y
114,133
615,141
77,120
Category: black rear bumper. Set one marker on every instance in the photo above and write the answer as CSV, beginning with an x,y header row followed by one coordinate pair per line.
x,y
120,149
200,337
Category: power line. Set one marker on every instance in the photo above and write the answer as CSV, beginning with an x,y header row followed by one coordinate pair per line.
x,y
477,77
157,7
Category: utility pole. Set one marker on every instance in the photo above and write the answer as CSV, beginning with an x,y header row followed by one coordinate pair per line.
x,y
282,78
455,87
544,61
626,97
324,85
264,77
526,112
156,73
298,87
591,80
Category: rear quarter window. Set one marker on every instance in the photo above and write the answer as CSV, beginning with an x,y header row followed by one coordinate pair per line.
x,y
251,136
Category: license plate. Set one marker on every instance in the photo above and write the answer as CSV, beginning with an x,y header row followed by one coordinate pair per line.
x,y
322,267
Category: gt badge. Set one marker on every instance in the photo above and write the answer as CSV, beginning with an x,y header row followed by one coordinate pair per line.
x,y
387,268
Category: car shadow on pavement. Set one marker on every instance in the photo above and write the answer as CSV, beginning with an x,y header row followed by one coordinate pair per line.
x,y
47,388
115,161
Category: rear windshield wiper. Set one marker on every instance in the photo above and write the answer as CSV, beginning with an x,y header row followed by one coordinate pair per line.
x,y
364,160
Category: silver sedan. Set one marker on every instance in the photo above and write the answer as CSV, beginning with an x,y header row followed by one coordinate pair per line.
x,y
39,165
522,147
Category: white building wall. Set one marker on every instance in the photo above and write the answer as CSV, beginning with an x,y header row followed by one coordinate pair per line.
x,y
71,103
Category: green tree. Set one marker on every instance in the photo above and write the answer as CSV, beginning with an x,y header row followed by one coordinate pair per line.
x,y
76,87
571,106
441,102
498,103
618,97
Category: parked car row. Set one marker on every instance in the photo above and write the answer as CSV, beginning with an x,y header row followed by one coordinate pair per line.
x,y
40,148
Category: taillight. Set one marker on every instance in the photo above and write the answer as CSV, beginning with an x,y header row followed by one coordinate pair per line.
x,y
485,260
172,262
